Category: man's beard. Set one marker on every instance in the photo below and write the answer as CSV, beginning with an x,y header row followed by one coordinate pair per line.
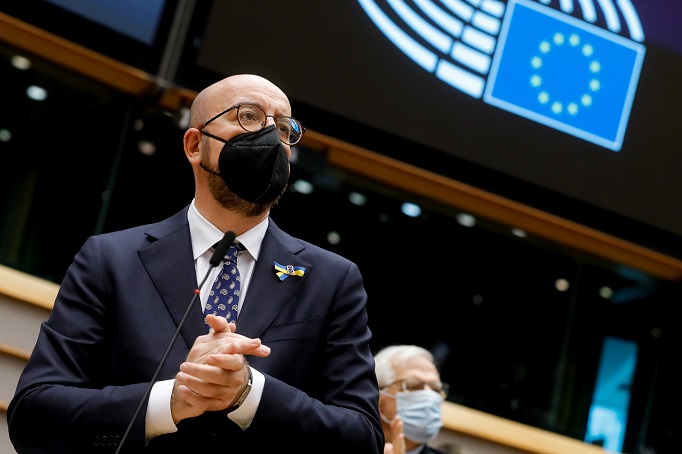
x,y
229,200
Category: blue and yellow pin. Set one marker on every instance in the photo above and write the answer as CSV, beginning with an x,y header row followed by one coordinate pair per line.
x,y
284,271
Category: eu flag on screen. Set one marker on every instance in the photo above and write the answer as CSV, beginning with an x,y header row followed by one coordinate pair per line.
x,y
564,73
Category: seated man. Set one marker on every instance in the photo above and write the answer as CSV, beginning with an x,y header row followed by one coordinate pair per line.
x,y
410,399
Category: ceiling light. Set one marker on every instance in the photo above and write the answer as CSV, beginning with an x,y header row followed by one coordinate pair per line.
x,y
146,147
466,220
36,93
302,186
562,285
20,62
357,199
606,292
333,237
410,209
5,135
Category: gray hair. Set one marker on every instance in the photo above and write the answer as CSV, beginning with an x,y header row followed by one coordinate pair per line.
x,y
390,358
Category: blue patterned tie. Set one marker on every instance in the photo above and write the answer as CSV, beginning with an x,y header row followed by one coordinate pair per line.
x,y
224,297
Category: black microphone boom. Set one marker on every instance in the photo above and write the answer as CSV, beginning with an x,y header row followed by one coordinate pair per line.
x,y
218,255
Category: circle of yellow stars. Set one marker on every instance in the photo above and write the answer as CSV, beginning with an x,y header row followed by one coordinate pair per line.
x,y
585,99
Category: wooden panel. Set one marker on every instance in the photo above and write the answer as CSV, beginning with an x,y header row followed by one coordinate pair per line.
x,y
25,302
25,287
457,443
5,445
10,369
504,211
91,64
493,430
20,323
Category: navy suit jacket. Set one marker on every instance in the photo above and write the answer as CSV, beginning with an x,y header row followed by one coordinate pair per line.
x,y
116,312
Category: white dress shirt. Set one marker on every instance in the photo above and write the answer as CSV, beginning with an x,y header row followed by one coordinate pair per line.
x,y
204,235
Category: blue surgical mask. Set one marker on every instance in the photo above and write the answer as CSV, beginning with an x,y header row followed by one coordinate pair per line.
x,y
420,412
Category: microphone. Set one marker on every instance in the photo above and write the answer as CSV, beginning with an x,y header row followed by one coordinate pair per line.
x,y
221,249
218,255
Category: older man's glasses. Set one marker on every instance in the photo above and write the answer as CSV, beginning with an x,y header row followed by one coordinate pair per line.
x,y
252,118
408,385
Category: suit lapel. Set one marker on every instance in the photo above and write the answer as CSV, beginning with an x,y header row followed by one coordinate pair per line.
x,y
169,262
267,295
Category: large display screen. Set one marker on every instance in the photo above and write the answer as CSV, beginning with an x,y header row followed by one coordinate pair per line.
x,y
133,32
578,98
135,19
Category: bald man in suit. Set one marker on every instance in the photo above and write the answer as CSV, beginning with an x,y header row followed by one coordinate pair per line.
x,y
295,372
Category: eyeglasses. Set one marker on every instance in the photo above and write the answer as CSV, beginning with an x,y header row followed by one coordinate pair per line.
x,y
409,385
252,118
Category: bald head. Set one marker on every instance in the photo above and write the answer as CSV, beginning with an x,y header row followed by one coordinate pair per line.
x,y
238,89
204,145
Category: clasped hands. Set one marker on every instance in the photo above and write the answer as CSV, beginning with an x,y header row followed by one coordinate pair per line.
x,y
215,373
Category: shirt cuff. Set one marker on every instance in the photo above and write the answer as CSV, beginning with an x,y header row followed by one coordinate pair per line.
x,y
159,419
246,412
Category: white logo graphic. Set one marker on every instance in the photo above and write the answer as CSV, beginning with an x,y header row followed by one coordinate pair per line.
x,y
537,59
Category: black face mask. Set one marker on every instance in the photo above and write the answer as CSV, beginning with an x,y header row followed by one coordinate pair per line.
x,y
254,165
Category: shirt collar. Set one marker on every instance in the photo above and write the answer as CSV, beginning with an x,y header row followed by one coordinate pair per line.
x,y
204,234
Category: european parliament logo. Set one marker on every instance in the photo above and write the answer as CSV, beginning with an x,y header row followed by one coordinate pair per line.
x,y
527,58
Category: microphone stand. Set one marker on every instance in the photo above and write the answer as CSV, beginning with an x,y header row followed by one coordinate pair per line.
x,y
217,256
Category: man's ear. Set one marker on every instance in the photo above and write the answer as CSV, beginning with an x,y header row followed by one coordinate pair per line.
x,y
192,142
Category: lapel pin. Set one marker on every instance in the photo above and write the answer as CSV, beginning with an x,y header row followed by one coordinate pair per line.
x,y
284,271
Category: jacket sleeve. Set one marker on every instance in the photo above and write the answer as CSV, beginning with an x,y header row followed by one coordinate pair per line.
x,y
65,393
334,405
